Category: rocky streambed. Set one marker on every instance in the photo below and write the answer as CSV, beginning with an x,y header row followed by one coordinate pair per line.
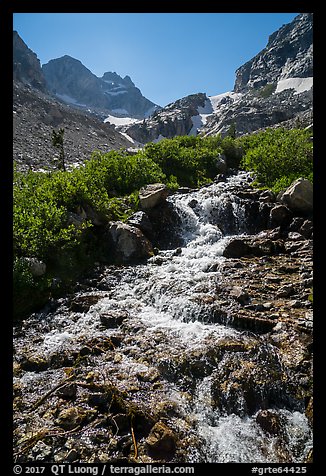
x,y
201,354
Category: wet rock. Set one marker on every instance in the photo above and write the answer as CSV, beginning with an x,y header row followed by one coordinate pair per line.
x,y
72,417
62,358
280,215
296,224
184,190
249,194
267,196
121,422
165,222
295,236
129,243
99,400
83,303
151,195
269,421
266,246
252,323
72,455
113,318
244,383
151,375
41,451
140,220
193,203
299,196
240,295
116,339
161,441
306,229
236,248
69,391
254,246
34,362
229,344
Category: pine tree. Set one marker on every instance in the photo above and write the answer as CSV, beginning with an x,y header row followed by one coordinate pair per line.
x,y
57,141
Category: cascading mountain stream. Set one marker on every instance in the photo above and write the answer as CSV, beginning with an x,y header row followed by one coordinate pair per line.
x,y
159,341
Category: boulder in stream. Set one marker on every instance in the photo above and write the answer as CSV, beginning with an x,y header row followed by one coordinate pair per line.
x,y
129,244
299,196
152,194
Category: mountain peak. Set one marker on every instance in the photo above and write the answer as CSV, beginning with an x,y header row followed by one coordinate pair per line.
x,y
288,54
114,78
72,82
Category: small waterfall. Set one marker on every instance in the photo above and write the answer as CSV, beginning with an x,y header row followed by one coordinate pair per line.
x,y
168,307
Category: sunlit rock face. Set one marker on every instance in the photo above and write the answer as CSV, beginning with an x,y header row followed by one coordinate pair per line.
x,y
26,65
288,54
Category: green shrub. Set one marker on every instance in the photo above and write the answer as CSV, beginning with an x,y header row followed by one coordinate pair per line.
x,y
278,156
187,160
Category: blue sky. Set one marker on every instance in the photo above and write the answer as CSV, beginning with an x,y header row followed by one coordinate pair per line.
x,y
167,55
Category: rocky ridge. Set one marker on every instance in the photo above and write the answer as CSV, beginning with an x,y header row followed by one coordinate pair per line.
x,y
273,88
36,115
173,120
26,66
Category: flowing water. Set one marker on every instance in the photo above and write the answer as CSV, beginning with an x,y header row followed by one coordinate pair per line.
x,y
172,329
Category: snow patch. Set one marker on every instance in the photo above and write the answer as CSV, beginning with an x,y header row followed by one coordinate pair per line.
x,y
116,93
220,99
207,109
298,84
197,122
121,121
124,134
212,105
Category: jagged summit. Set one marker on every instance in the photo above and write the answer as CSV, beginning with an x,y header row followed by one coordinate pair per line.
x,y
288,54
114,78
73,83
